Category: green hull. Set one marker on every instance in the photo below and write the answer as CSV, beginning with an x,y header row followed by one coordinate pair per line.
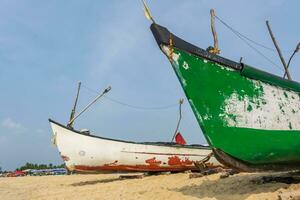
x,y
209,85
254,121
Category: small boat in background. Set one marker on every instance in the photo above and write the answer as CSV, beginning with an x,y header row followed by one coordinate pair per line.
x,y
83,152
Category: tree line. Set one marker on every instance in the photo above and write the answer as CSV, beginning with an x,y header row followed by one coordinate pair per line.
x,y
39,166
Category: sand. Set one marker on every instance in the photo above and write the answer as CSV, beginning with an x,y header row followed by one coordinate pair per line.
x,y
173,186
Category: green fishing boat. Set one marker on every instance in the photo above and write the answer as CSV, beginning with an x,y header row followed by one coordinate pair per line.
x,y
249,117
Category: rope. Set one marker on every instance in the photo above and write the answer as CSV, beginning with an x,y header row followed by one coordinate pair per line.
x,y
142,107
130,105
242,37
249,39
179,120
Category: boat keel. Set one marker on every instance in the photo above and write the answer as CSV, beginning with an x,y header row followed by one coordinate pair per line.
x,y
243,166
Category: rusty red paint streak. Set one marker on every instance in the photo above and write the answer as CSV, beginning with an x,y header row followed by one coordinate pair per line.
x,y
65,158
175,160
153,161
168,154
140,168
113,163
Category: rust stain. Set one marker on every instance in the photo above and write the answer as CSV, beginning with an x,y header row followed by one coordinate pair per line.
x,y
113,163
153,162
175,164
175,160
137,168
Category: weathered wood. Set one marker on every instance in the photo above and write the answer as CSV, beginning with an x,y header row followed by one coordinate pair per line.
x,y
74,107
279,51
131,176
156,173
90,104
216,49
196,175
295,51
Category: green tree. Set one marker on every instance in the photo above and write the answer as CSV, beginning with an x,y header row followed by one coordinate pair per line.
x,y
39,166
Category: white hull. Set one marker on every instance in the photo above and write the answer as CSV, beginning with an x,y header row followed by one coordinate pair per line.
x,y
90,153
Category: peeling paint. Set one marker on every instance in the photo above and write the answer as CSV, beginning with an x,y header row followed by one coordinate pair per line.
x,y
104,154
185,65
141,168
153,161
271,110
175,160
246,118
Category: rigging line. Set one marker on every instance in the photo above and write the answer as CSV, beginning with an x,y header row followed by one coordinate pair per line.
x,y
251,46
130,105
143,107
249,39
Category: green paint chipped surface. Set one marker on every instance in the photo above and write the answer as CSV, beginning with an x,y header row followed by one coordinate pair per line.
x,y
248,119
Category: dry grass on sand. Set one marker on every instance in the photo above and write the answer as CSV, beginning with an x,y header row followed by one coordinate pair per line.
x,y
173,186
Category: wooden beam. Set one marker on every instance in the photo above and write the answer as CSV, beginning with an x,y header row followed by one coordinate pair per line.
x,y
295,51
216,49
279,52
89,105
74,107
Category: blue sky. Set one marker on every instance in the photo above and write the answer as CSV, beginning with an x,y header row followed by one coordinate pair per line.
x,y
46,47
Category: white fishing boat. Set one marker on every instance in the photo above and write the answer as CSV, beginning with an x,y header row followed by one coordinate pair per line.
x,y
83,152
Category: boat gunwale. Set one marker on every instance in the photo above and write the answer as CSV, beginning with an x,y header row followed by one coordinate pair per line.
x,y
161,144
162,36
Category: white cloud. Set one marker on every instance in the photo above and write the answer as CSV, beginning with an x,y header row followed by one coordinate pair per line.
x,y
8,123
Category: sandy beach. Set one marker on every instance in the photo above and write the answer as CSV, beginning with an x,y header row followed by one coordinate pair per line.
x,y
171,186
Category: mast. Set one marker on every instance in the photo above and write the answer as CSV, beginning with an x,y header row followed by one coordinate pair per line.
x,y
89,105
70,125
147,12
279,52
215,49
295,51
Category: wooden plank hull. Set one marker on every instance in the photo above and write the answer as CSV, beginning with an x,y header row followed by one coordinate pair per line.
x,y
88,153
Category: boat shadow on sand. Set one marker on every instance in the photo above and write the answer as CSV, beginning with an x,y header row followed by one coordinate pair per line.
x,y
109,180
93,182
240,186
